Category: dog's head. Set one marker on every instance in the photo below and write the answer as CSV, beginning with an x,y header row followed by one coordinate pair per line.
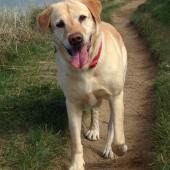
x,y
73,23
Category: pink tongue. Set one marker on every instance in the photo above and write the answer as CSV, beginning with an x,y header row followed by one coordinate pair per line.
x,y
80,57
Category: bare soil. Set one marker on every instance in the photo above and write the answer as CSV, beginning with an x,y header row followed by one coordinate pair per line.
x,y
138,103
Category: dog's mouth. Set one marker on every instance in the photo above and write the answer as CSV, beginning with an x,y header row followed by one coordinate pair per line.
x,y
79,55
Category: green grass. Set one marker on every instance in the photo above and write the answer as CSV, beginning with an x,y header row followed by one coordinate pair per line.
x,y
36,150
110,6
153,21
32,107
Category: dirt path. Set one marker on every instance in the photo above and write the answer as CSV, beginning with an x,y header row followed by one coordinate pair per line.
x,y
138,102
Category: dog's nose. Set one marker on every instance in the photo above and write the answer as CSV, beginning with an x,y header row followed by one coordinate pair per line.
x,y
75,39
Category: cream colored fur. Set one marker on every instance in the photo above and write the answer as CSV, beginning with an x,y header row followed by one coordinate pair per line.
x,y
87,87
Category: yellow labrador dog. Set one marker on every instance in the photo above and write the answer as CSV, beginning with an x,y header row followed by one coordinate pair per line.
x,y
91,62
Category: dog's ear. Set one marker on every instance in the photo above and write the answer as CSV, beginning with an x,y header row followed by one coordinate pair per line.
x,y
95,8
43,20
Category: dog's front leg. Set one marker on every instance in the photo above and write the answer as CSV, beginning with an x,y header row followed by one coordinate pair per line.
x,y
75,119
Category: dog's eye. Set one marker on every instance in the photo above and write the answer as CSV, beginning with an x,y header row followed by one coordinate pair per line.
x,y
82,18
60,24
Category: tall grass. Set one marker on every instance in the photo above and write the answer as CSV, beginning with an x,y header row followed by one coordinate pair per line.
x,y
14,28
12,22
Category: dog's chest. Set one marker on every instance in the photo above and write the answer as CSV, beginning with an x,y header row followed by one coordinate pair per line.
x,y
86,89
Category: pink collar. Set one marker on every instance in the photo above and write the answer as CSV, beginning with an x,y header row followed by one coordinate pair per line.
x,y
96,58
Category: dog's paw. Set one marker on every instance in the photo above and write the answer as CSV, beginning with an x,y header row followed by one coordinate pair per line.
x,y
93,134
78,163
120,150
75,167
108,153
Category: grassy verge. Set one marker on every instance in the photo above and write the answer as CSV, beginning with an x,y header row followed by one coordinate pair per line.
x,y
153,21
32,109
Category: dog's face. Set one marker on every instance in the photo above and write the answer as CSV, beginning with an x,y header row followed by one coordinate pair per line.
x,y
73,23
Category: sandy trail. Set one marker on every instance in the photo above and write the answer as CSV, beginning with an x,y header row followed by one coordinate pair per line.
x,y
138,103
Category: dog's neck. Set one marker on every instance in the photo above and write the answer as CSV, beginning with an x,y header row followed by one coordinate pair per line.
x,y
96,47
96,58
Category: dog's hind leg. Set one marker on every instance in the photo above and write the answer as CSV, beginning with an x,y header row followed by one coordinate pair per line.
x,y
116,127
108,153
93,132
